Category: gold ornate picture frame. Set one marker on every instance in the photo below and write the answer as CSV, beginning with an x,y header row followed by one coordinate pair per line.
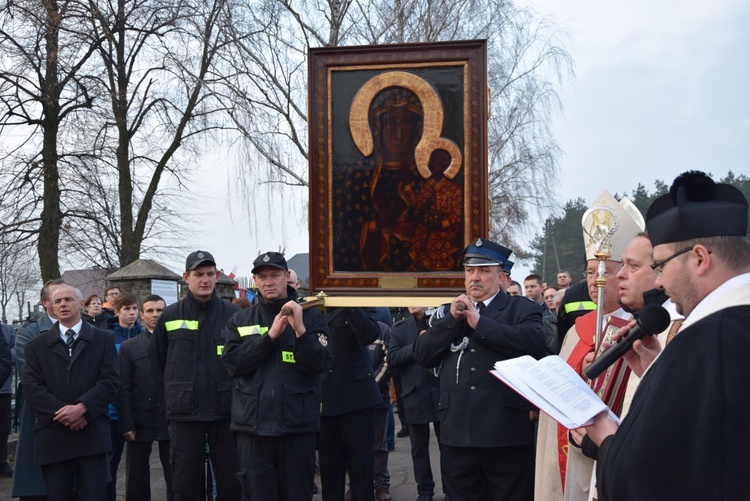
x,y
398,166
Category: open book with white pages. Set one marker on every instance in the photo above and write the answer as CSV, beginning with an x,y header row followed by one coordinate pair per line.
x,y
554,387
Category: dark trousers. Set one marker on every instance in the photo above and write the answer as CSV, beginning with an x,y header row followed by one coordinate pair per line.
x,y
347,444
118,444
399,401
80,479
138,470
419,436
478,473
187,456
391,435
4,427
277,468
381,476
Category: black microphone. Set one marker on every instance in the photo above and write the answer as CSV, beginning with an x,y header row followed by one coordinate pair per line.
x,y
651,319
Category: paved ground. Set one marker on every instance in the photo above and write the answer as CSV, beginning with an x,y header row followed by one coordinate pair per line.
x,y
403,487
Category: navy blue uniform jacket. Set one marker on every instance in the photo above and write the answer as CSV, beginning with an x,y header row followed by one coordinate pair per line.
x,y
476,409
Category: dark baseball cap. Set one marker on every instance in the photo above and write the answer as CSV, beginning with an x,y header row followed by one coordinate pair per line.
x,y
198,258
274,259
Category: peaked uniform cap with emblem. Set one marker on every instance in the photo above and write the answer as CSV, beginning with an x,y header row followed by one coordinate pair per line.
x,y
274,259
198,258
483,252
629,223
697,207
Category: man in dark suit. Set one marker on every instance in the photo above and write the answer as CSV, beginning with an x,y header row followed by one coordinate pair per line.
x,y
69,379
421,392
486,429
142,418
350,394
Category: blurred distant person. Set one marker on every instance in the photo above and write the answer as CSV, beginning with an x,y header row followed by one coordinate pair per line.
x,y
108,308
564,279
92,311
421,401
550,320
7,341
514,289
28,482
110,293
125,326
533,287
241,302
293,281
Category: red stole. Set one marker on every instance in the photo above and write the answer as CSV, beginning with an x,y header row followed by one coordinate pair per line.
x,y
610,386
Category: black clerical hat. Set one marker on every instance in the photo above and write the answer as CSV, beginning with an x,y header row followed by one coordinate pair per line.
x,y
696,207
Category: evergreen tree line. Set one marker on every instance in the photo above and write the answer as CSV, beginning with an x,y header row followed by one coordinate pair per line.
x,y
559,246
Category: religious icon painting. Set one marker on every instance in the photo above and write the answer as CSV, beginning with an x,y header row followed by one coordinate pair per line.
x,y
398,166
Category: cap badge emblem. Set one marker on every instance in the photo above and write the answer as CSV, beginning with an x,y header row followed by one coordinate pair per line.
x,y
266,258
200,255
479,242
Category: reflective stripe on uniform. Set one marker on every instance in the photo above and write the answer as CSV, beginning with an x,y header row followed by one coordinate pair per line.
x,y
249,330
173,325
580,306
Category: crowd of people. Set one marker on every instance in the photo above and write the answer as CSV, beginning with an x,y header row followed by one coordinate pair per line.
x,y
246,401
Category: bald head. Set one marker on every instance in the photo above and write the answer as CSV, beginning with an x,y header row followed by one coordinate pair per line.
x,y
293,281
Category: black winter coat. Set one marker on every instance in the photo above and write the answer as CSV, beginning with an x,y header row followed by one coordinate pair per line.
x,y
140,407
53,379
349,385
420,389
277,381
185,355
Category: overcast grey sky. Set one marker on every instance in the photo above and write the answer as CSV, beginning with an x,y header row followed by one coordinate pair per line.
x,y
660,88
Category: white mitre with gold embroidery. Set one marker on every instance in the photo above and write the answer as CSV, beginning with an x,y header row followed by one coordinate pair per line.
x,y
612,222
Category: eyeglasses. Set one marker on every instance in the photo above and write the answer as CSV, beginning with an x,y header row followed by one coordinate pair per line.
x,y
591,273
659,265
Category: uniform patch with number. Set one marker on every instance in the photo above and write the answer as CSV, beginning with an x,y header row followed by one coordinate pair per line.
x,y
288,357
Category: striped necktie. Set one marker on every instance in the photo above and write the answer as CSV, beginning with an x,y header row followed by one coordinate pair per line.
x,y
70,337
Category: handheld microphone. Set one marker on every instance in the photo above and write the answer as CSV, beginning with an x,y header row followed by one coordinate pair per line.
x,y
651,319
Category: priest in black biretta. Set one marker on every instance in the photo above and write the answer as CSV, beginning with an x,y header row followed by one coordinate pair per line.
x,y
697,207
686,434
